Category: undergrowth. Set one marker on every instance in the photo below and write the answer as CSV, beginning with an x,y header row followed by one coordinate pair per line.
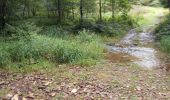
x,y
163,34
28,47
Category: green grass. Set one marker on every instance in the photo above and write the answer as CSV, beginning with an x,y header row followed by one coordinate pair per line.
x,y
165,44
85,49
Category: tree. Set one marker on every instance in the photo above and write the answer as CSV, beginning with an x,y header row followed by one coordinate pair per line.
x,y
165,3
59,9
6,11
100,10
81,11
3,4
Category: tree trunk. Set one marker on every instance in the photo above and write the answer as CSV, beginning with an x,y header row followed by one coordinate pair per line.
x,y
34,11
28,8
169,4
25,3
81,11
59,11
72,11
2,14
113,12
100,10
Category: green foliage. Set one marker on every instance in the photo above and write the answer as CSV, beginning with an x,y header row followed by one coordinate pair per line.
x,y
165,44
165,3
4,57
164,28
56,32
119,27
24,42
163,34
87,37
52,49
155,3
24,31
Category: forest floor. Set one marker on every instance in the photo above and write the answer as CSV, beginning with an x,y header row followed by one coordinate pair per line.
x,y
117,77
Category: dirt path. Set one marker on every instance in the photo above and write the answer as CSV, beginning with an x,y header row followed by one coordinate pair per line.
x,y
118,77
123,75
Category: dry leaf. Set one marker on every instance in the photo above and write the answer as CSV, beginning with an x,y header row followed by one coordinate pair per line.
x,y
15,97
9,96
47,83
53,94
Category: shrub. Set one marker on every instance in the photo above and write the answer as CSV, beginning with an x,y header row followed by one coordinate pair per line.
x,y
53,31
4,57
117,27
163,35
154,3
25,31
165,44
86,36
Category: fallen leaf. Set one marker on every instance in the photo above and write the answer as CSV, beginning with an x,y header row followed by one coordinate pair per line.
x,y
31,95
47,83
52,94
2,82
9,96
24,98
162,94
15,97
41,87
138,88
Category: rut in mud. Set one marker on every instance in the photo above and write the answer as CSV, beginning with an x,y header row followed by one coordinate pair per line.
x,y
137,44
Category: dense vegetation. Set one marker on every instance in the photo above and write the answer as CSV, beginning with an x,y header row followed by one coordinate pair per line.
x,y
163,34
60,31
84,49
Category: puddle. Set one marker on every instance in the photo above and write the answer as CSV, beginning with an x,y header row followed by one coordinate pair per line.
x,y
120,57
145,57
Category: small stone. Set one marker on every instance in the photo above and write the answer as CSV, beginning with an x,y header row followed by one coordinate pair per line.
x,y
74,91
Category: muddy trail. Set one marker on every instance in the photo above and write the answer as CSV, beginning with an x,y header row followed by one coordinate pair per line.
x,y
139,43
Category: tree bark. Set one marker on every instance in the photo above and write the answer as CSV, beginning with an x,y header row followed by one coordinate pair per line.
x,y
100,10
59,11
34,12
169,4
2,14
81,11
113,12
72,8
28,8
25,4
